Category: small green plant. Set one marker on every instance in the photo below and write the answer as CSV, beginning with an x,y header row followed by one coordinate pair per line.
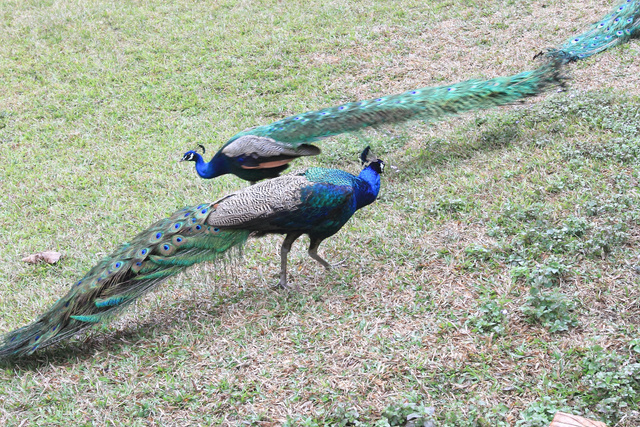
x,y
614,204
475,412
491,319
478,252
541,412
343,416
611,383
547,275
448,205
605,239
407,413
575,226
477,256
410,412
550,308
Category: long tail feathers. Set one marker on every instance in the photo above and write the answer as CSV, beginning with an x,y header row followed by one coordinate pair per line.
x,y
429,104
163,250
615,28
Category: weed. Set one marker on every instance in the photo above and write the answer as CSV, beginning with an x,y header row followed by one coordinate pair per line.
x,y
550,308
492,318
611,383
410,412
447,205
541,412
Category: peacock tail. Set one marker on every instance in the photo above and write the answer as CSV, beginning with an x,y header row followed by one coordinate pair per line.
x,y
166,248
428,104
615,28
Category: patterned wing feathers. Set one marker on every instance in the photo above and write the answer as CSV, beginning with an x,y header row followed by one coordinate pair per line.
x,y
265,147
256,203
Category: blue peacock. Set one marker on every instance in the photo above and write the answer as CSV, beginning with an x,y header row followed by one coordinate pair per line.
x,y
264,152
617,27
316,202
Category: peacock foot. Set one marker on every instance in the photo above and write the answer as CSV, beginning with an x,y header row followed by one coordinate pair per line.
x,y
284,285
338,264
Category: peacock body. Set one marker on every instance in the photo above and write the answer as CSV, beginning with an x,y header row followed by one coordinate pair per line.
x,y
317,202
264,152
615,28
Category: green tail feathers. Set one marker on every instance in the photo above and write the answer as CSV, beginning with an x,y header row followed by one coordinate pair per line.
x,y
615,28
163,250
430,103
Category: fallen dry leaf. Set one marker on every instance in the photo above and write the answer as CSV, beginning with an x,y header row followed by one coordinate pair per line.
x,y
50,257
567,420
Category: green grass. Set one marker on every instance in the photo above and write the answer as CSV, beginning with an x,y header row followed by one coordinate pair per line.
x,y
493,283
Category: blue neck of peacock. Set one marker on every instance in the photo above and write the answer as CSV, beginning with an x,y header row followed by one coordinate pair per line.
x,y
368,187
216,167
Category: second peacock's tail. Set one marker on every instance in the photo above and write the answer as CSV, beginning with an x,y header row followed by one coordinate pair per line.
x,y
615,28
428,104
166,248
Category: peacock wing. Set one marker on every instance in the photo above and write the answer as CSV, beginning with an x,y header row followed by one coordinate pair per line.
x,y
292,201
259,151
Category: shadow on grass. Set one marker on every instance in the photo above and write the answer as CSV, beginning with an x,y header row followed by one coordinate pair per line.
x,y
195,309
439,152
577,115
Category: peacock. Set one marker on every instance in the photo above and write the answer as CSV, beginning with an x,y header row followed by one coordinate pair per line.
x,y
615,28
264,152
316,202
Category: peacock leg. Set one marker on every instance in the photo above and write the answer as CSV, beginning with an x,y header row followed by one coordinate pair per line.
x,y
313,252
284,252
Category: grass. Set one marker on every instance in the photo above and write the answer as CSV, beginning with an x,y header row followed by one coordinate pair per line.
x,y
494,282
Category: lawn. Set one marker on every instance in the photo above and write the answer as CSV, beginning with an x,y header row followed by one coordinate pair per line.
x,y
494,282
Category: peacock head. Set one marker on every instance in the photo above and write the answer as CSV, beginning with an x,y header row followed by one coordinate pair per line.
x,y
192,155
370,160
377,165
